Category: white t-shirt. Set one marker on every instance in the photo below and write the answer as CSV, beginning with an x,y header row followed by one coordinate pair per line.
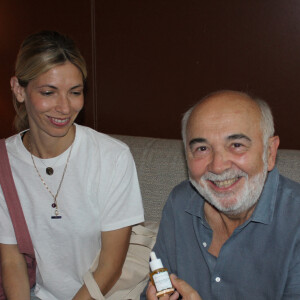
x,y
100,192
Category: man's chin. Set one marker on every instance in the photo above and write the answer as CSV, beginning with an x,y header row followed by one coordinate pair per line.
x,y
223,201
230,207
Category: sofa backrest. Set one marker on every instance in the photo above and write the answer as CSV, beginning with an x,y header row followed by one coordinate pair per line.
x,y
161,165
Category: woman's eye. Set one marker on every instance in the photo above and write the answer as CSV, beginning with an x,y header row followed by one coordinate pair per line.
x,y
76,93
47,93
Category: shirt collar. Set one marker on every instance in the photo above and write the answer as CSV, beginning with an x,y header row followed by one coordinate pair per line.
x,y
195,203
264,210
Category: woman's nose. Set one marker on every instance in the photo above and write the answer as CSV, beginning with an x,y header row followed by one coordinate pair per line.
x,y
63,105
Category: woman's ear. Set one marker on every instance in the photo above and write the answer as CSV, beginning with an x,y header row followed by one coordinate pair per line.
x,y
18,90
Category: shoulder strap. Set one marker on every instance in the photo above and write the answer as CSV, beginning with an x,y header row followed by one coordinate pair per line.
x,y
13,203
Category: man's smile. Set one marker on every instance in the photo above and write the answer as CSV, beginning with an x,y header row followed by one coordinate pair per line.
x,y
225,183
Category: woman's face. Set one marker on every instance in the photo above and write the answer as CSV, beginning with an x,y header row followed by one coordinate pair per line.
x,y
53,100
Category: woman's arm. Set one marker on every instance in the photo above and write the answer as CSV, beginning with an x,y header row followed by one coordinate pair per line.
x,y
14,273
114,246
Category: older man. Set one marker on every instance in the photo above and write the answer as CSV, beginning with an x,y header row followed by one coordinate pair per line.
x,y
233,230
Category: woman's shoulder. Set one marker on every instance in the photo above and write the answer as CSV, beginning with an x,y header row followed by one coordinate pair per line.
x,y
91,137
14,143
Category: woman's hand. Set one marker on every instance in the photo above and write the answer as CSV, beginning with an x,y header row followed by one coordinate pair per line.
x,y
114,246
182,288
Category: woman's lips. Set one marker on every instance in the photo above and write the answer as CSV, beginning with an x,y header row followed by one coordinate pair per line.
x,y
59,121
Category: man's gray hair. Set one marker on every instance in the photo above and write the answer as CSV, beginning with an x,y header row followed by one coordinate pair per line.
x,y
267,123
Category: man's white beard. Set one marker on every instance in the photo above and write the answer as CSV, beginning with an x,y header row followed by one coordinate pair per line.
x,y
245,198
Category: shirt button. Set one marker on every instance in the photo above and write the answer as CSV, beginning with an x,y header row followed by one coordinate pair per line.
x,y
204,244
218,279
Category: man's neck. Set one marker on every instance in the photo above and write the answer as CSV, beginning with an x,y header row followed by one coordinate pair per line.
x,y
223,225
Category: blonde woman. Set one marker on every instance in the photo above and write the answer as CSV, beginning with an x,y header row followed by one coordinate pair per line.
x,y
78,188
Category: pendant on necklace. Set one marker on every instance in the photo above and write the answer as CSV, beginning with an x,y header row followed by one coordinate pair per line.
x,y
49,171
57,216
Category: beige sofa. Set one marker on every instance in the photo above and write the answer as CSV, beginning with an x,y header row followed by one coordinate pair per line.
x,y
161,165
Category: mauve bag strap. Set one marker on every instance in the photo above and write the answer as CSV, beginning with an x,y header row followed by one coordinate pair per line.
x,y
13,203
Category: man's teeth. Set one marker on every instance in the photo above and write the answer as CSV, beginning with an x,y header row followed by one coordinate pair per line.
x,y
225,183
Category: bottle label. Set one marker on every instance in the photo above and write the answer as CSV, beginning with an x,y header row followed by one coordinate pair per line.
x,y
162,281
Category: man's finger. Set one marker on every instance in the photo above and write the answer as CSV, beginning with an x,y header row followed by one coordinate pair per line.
x,y
151,292
184,289
174,296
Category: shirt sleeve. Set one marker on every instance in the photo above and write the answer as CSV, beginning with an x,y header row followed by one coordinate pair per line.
x,y
7,234
123,202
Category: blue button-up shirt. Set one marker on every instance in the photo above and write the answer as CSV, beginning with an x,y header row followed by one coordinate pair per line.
x,y
260,260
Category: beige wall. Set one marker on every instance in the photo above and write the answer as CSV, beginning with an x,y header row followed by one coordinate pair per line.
x,y
149,61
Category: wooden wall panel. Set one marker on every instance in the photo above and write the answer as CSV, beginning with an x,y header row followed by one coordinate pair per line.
x,y
149,61
156,58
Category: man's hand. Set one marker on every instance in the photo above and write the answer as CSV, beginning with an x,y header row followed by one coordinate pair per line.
x,y
151,294
182,288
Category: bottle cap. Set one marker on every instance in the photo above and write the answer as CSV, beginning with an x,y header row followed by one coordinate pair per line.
x,y
155,262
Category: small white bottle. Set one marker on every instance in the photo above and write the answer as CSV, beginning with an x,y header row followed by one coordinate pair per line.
x,y
160,277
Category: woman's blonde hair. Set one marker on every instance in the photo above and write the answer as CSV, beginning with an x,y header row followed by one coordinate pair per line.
x,y
39,53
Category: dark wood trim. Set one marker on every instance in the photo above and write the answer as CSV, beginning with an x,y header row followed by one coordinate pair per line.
x,y
94,66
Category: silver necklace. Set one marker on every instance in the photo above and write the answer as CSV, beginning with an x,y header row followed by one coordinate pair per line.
x,y
54,204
